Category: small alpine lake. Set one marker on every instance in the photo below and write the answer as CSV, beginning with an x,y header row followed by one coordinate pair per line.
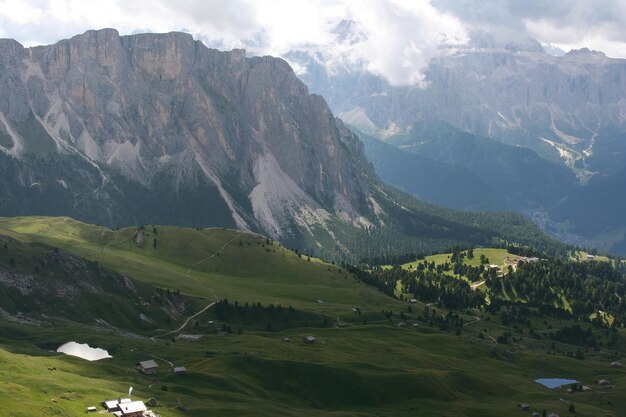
x,y
555,382
84,351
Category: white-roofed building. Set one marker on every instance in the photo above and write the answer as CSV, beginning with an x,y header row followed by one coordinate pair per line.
x,y
111,405
133,409
125,407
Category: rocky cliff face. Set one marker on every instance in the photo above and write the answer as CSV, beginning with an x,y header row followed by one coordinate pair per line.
x,y
564,108
162,114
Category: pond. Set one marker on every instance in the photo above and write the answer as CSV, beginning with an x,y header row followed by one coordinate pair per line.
x,y
83,350
555,382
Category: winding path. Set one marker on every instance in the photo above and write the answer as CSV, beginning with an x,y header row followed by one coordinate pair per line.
x,y
213,255
186,321
476,320
188,275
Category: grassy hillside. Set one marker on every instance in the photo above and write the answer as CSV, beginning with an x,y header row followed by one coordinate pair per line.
x,y
364,362
362,370
39,282
493,256
207,263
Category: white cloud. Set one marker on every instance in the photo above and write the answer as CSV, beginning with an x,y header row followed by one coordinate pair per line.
x,y
597,24
393,38
398,36
20,12
603,37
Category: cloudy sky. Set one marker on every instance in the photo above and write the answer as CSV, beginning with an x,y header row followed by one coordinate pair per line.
x,y
393,38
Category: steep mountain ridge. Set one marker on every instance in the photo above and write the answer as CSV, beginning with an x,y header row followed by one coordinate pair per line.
x,y
450,185
520,177
142,105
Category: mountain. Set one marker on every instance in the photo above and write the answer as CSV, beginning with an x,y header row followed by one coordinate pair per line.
x,y
163,111
159,129
566,109
597,212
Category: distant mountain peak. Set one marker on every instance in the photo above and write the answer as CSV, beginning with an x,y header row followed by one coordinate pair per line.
x,y
584,52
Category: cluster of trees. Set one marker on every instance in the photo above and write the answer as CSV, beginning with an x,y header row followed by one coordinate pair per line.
x,y
575,335
392,259
451,322
556,288
587,286
513,314
425,284
473,273
223,309
383,280
450,292
269,317
523,251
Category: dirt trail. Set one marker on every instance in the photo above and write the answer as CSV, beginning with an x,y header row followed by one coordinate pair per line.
x,y
153,338
188,275
163,359
215,254
476,320
189,319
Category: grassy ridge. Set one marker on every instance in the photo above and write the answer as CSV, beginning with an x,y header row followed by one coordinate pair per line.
x,y
41,281
209,263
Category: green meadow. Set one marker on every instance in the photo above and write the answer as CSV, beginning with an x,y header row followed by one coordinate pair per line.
x,y
363,363
500,257
209,263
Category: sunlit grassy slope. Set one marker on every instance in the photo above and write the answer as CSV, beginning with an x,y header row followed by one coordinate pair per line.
x,y
210,263
495,256
369,367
